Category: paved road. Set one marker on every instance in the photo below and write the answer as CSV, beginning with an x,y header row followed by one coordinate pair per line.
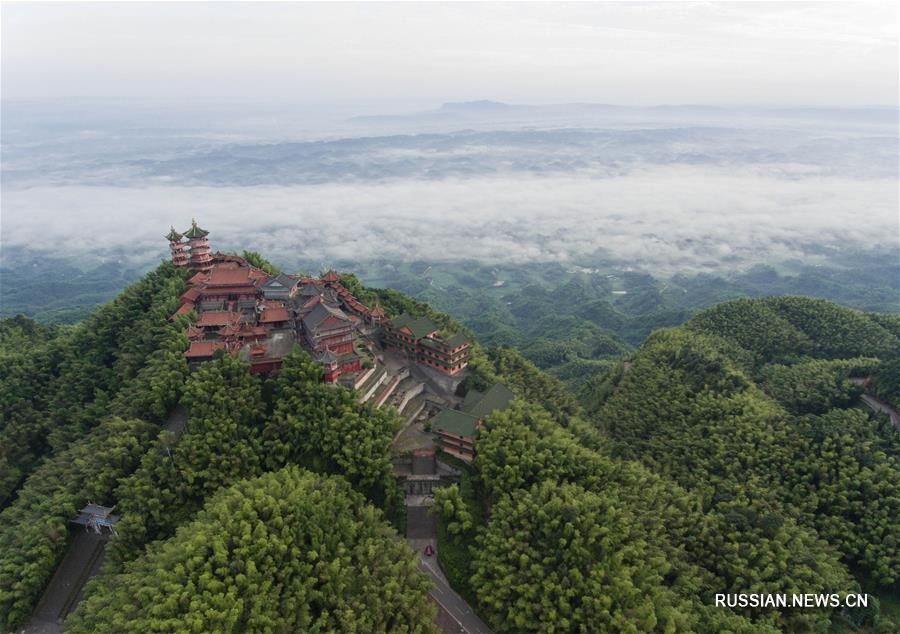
x,y
880,406
455,615
82,560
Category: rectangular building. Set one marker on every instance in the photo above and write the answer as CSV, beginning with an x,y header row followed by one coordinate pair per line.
x,y
456,430
421,341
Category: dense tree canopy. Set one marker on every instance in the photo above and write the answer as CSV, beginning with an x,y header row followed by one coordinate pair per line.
x,y
727,455
327,428
232,435
288,551
34,529
779,328
814,387
729,547
221,445
559,559
686,412
59,384
886,382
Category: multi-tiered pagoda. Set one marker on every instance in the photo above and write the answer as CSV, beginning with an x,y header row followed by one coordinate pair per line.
x,y
178,247
201,260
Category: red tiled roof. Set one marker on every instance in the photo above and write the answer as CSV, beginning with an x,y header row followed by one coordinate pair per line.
x,y
220,290
217,318
274,314
229,330
191,295
222,276
184,309
197,278
331,276
220,257
253,331
204,348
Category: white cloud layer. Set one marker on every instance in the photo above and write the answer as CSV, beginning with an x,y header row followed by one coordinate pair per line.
x,y
661,218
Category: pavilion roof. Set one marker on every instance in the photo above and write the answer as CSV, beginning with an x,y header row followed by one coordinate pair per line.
x,y
327,357
195,231
94,514
173,236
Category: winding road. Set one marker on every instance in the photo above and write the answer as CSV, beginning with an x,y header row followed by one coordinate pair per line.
x,y
880,406
455,616
877,405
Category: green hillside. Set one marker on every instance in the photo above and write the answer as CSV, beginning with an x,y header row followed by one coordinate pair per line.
x,y
726,455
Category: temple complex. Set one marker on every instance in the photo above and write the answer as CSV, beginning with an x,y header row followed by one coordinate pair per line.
x,y
237,308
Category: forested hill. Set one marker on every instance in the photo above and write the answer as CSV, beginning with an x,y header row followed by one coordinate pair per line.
x,y
275,510
750,407
255,519
726,455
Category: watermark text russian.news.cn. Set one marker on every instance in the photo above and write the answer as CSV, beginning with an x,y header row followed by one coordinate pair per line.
x,y
804,600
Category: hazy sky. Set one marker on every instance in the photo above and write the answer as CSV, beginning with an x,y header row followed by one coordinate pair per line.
x,y
836,53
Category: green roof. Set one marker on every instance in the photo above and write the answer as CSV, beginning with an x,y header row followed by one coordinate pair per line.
x,y
472,397
497,397
195,231
173,236
455,340
455,422
418,326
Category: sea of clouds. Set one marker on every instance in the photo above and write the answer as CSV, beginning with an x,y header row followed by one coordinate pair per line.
x,y
663,218
716,190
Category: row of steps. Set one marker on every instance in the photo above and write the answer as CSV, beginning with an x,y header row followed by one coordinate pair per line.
x,y
368,389
385,390
405,393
